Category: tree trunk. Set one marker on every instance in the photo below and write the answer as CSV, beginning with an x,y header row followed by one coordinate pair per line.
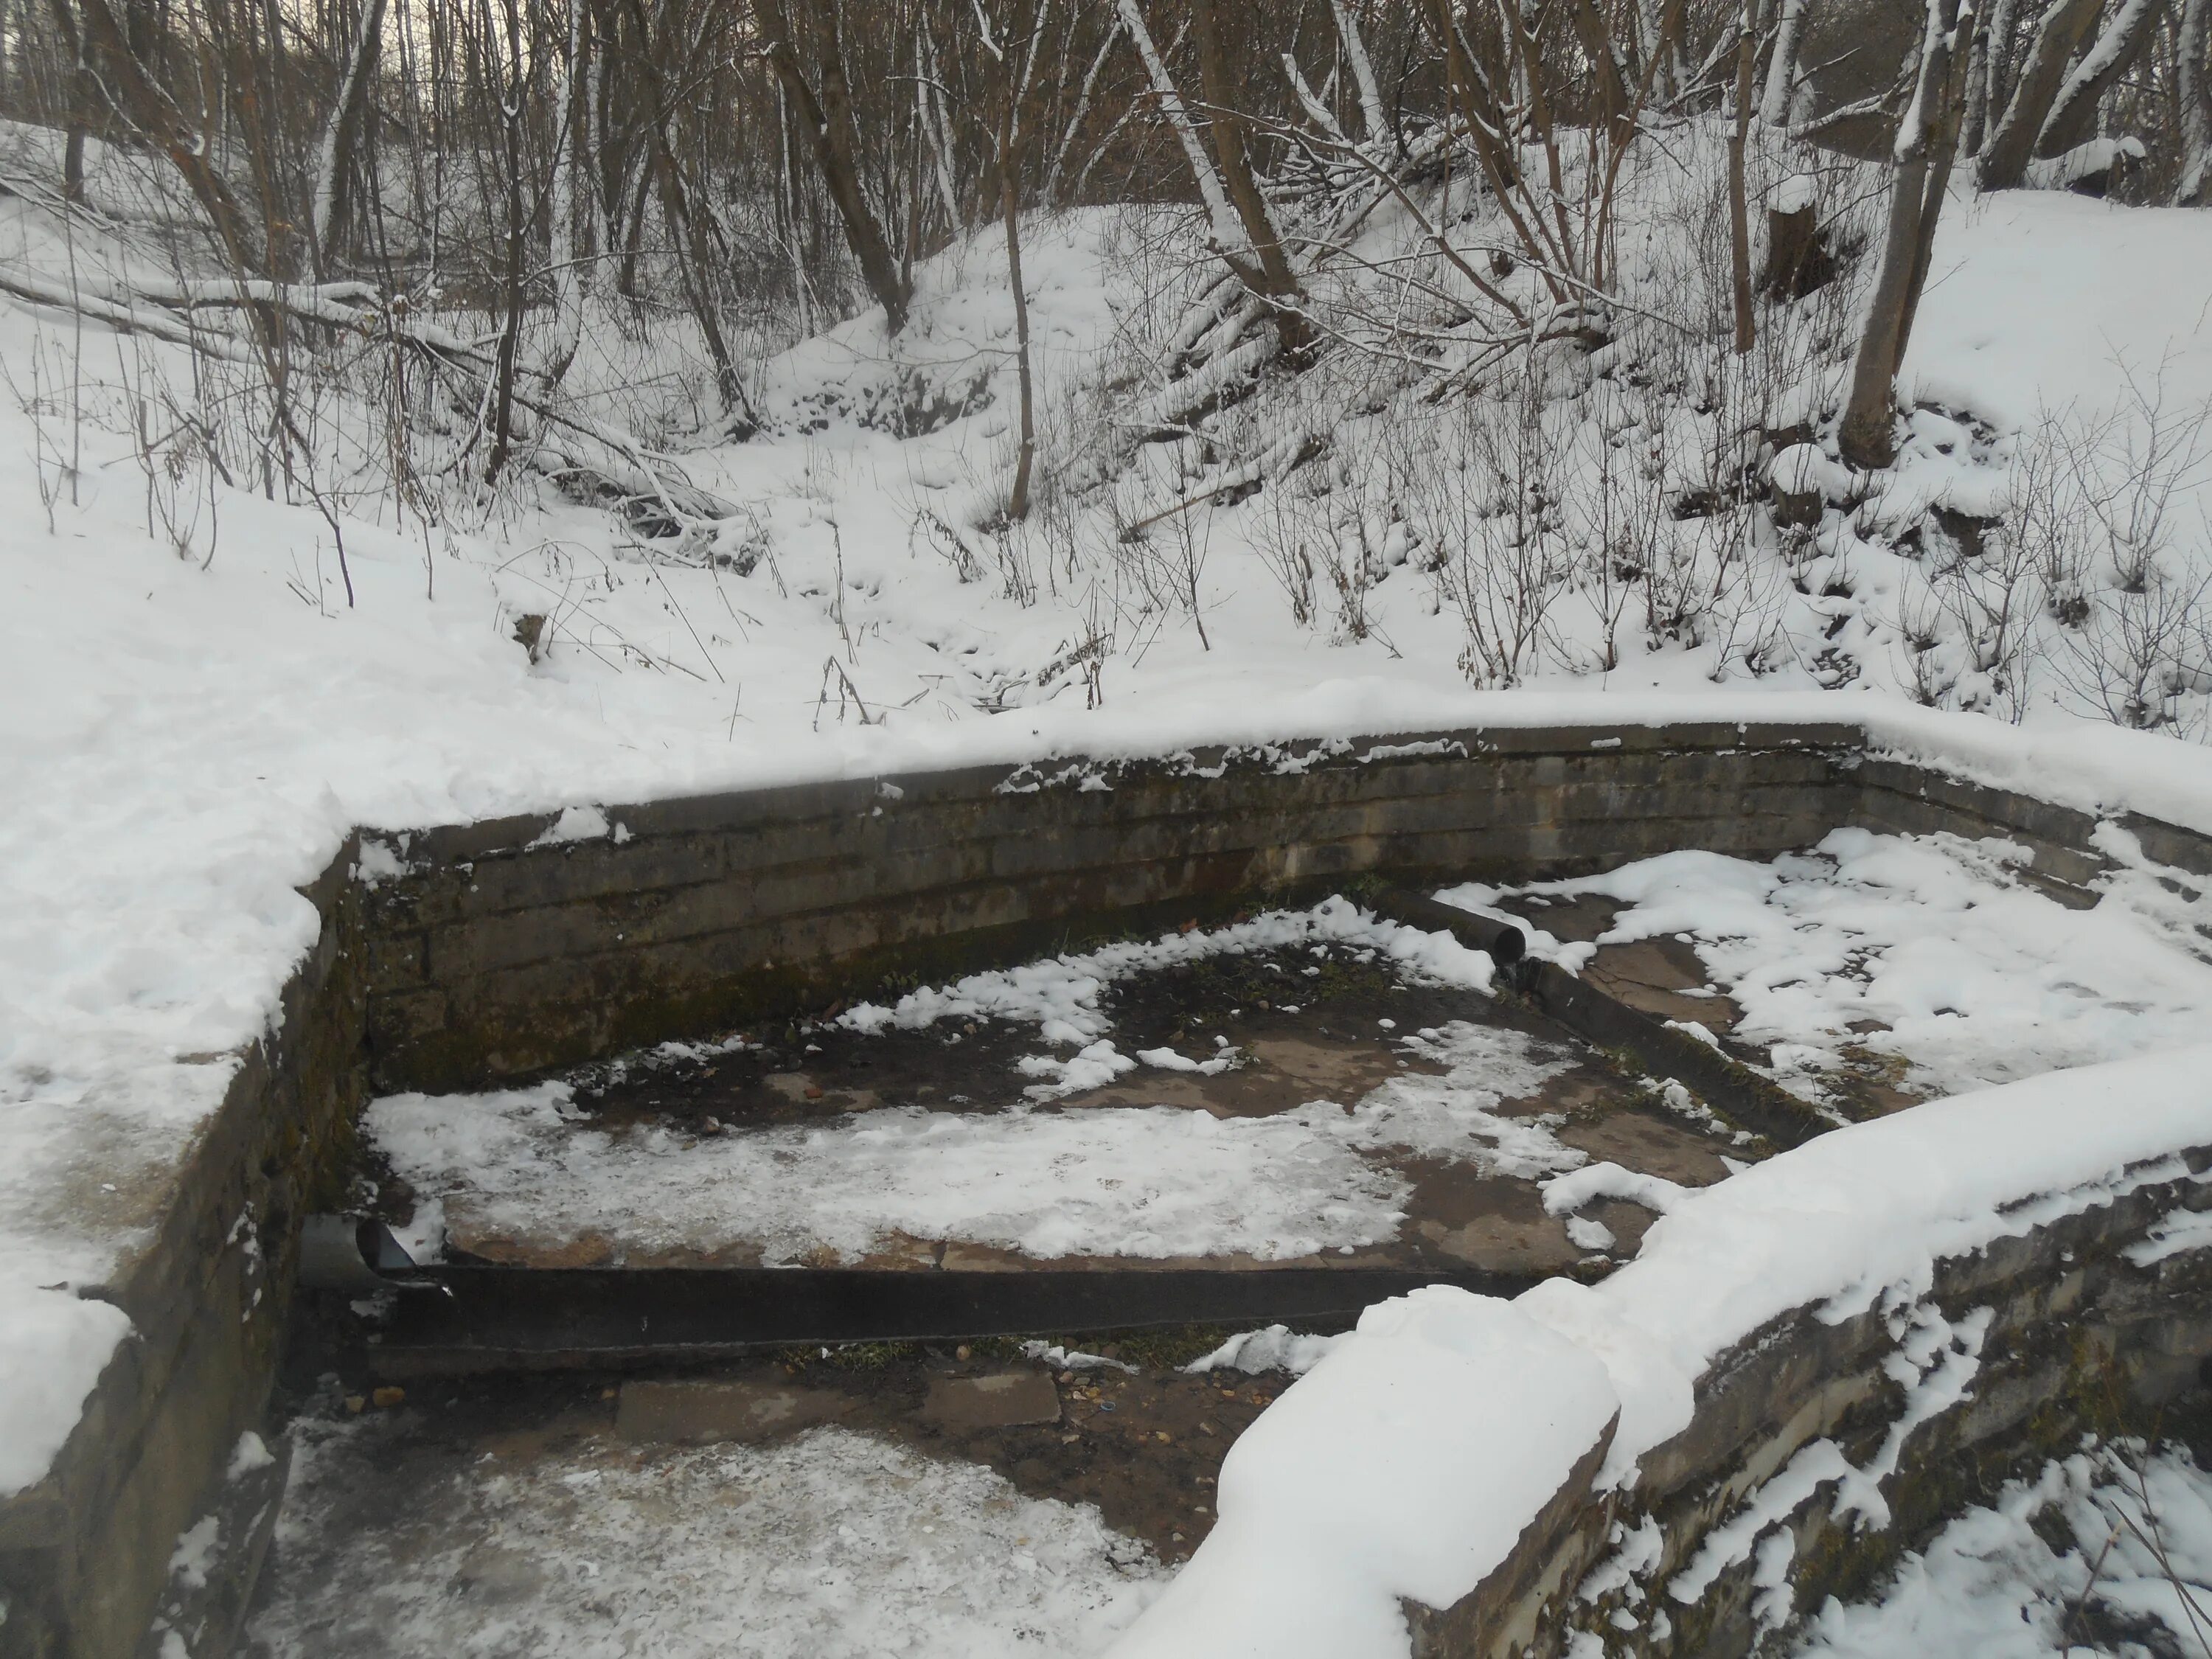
x,y
1217,73
510,337
1607,70
149,110
2059,31
1229,241
1996,79
1866,434
1974,109
1009,203
334,164
2073,118
828,118
2195,188
1070,132
1362,71
1942,153
1747,55
1782,68
692,255
560,208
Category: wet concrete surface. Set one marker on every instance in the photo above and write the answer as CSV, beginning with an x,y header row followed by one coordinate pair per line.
x,y
1666,978
1144,1444
1331,1030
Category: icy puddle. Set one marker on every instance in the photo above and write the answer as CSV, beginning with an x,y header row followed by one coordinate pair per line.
x,y
428,1534
1317,1088
1877,971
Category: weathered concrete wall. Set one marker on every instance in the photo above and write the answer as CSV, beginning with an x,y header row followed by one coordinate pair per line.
x,y
84,1554
492,957
488,957
2080,1338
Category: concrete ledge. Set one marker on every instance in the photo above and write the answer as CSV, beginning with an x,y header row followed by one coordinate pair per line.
x,y
2080,1339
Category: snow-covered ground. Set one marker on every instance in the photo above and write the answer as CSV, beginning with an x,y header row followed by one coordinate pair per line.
x,y
1931,950
830,1545
202,689
2066,1564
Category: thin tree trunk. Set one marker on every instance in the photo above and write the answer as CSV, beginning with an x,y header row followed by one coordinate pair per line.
x,y
1611,76
1942,153
510,337
2195,90
1074,127
2058,32
1867,434
828,118
1746,56
1974,109
560,208
1009,203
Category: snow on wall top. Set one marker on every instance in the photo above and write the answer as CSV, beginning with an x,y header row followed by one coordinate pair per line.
x,y
1469,1412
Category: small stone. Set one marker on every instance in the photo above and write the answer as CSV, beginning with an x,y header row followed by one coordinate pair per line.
x,y
1162,1436
1205,1429
383,1399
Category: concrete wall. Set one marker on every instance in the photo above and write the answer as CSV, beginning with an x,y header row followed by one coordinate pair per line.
x,y
84,1554
486,957
2080,1339
491,958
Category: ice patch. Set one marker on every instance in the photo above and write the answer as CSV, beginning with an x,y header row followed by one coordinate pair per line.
x,y
832,1546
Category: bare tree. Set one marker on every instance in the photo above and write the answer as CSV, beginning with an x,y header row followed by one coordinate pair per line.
x,y
1920,174
826,113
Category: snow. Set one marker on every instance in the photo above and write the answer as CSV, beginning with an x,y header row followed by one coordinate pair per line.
x,y
1274,1348
833,1545
2039,299
1130,1180
194,716
1851,1222
1404,1464
1994,1584
55,1348
1971,977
